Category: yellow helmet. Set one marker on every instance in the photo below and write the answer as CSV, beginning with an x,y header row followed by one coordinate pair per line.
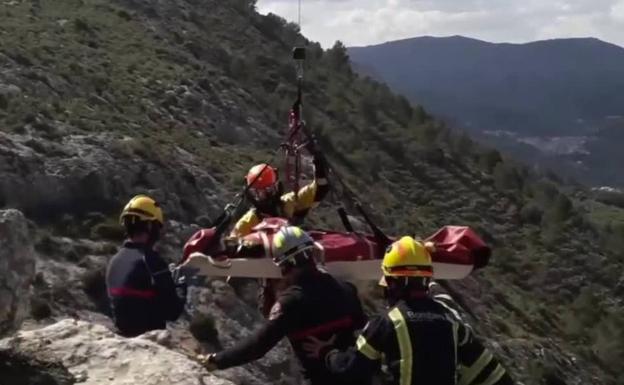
x,y
406,258
143,207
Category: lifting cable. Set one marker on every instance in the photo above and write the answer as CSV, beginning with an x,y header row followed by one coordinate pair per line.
x,y
292,158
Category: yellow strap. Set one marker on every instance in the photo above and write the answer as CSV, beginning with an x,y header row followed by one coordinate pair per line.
x,y
495,376
405,345
469,374
369,351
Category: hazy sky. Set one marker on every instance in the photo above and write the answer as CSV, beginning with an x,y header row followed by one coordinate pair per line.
x,y
362,22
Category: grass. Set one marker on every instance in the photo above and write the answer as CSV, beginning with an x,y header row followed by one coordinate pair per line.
x,y
603,214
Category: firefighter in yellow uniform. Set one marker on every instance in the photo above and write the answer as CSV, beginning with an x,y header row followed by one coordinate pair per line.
x,y
267,196
422,338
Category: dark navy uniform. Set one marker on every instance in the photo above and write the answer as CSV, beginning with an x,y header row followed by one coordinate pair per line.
x,y
317,305
422,341
141,290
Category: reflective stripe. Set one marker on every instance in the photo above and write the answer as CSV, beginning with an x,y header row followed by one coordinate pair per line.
x,y
495,376
467,332
449,308
369,351
442,296
129,292
470,373
405,345
455,338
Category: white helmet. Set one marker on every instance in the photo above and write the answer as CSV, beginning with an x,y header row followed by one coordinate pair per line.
x,y
291,245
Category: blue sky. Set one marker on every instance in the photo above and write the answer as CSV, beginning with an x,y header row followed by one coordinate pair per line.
x,y
363,22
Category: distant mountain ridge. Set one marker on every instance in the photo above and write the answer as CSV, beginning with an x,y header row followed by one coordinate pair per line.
x,y
487,86
545,95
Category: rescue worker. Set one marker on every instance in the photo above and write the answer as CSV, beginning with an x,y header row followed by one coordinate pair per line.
x,y
422,338
140,286
313,303
265,192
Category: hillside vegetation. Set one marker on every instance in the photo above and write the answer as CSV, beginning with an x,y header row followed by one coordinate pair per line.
x,y
102,99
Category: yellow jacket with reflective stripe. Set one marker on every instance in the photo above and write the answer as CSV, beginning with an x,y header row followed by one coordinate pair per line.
x,y
291,205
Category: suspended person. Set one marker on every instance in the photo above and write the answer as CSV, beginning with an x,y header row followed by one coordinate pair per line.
x,y
313,303
140,286
265,191
266,194
422,338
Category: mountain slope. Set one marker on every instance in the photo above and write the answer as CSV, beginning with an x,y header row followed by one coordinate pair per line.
x,y
541,87
104,99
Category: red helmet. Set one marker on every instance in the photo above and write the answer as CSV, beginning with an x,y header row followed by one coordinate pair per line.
x,y
262,181
261,176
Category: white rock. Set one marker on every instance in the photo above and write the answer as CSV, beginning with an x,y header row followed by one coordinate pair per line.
x,y
95,355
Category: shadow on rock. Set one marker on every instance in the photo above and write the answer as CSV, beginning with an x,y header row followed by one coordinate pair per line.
x,y
18,370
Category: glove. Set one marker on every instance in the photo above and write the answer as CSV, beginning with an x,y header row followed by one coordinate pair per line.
x,y
207,362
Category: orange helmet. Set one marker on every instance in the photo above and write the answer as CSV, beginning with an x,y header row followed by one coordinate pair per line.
x,y
261,176
262,181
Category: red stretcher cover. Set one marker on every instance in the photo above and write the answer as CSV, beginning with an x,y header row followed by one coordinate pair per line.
x,y
453,245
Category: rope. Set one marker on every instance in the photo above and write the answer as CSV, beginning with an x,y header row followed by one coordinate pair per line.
x,y
299,20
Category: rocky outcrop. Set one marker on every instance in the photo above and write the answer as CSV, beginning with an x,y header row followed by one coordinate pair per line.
x,y
233,320
17,269
47,178
70,280
94,355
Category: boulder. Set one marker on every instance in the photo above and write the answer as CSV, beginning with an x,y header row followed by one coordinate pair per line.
x,y
99,173
94,355
17,269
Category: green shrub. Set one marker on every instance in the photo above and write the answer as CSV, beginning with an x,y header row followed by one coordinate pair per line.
x,y
562,208
94,283
338,57
610,198
489,159
81,25
46,244
608,339
4,102
461,145
544,193
39,308
506,177
108,230
531,213
419,115
203,328
72,255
